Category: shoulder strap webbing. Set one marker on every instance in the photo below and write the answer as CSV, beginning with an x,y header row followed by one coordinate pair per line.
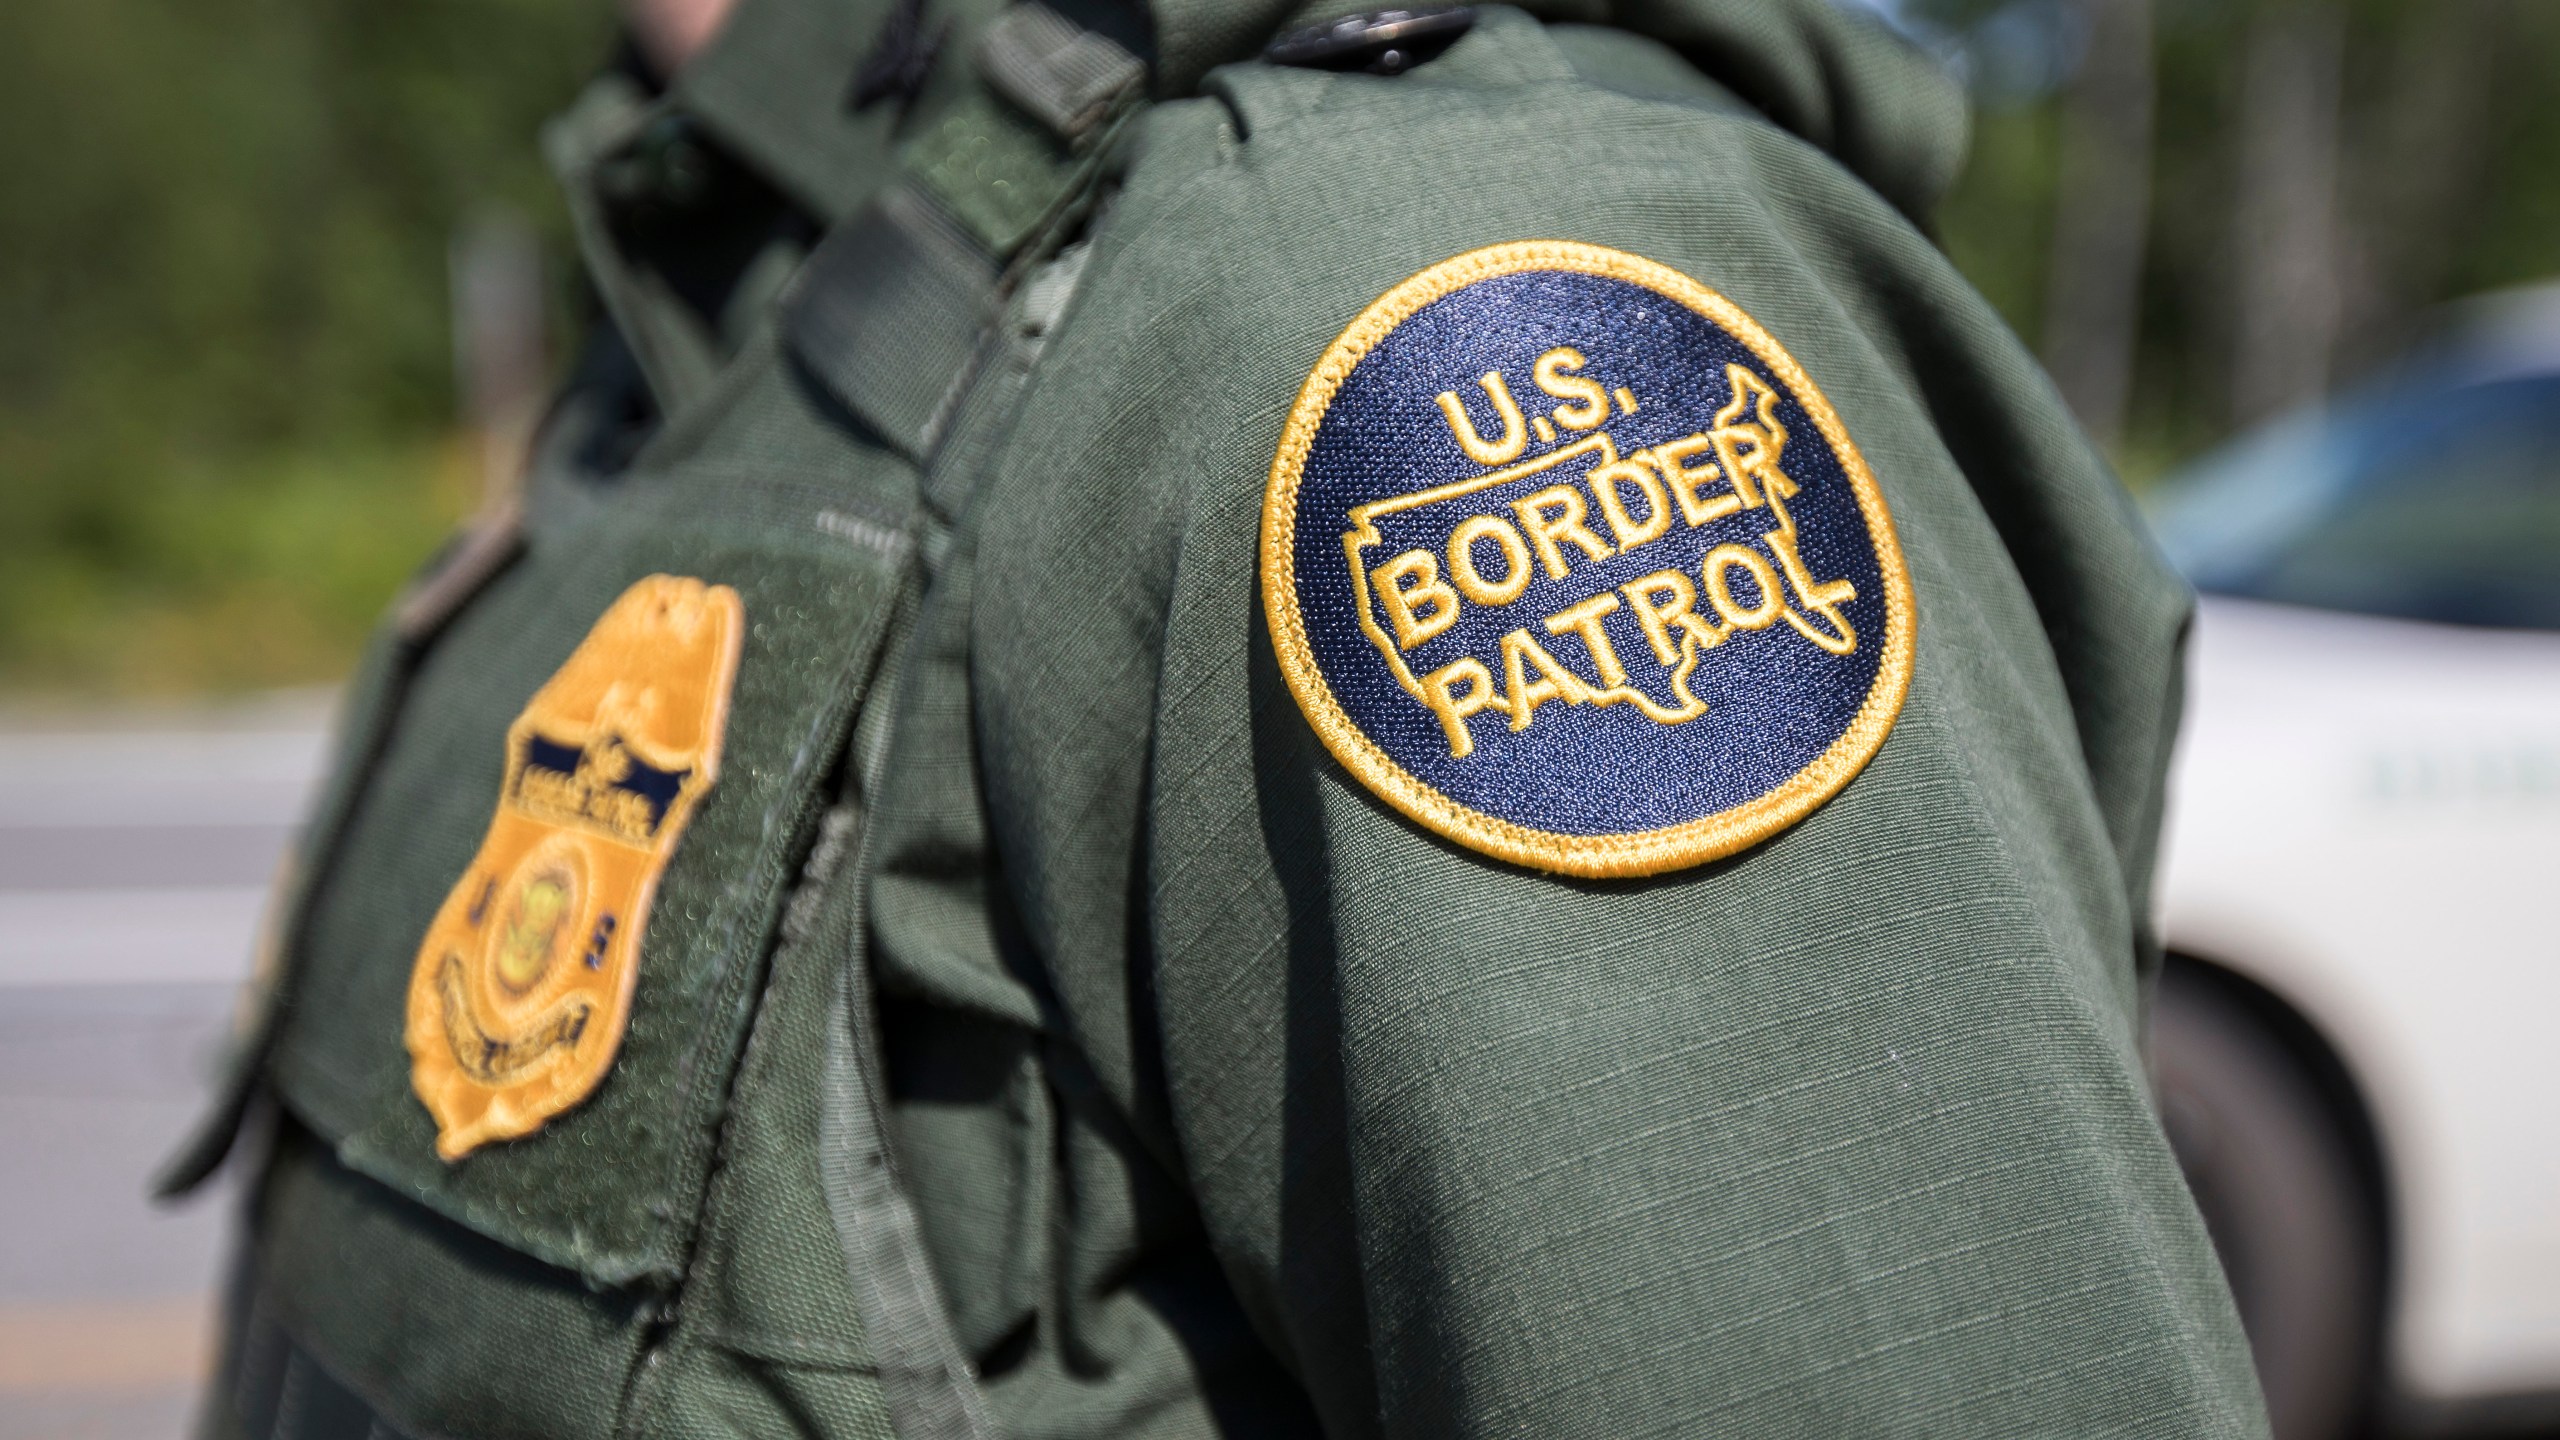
x,y
889,310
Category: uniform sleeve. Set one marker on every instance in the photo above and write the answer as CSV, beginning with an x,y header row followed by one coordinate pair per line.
x,y
1843,1133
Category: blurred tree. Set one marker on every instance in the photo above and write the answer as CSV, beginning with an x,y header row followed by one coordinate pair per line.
x,y
2284,277
2102,214
2420,160
225,374
2321,175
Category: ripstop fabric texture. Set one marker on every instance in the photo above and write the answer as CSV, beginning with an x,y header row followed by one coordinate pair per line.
x,y
1845,1134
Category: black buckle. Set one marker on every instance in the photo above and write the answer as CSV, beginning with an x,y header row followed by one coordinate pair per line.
x,y
1381,42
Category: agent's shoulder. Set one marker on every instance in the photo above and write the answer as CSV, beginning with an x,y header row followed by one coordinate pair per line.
x,y
1515,120
1282,199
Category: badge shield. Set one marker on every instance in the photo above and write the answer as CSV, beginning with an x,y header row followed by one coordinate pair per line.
x,y
523,984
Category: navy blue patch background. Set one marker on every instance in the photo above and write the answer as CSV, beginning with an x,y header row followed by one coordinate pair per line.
x,y
1775,701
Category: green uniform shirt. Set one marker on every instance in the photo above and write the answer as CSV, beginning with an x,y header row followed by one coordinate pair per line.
x,y
1219,1095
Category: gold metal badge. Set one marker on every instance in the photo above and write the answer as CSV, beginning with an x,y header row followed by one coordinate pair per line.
x,y
523,984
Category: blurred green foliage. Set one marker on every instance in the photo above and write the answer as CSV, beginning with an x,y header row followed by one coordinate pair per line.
x,y
2447,135
227,419
226,393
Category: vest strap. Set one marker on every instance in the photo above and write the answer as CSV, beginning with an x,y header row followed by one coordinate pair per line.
x,y
1068,78
889,311
886,314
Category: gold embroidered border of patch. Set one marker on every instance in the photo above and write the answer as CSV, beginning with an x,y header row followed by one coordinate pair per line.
x,y
1647,852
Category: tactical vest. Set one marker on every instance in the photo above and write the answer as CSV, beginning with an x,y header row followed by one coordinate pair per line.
x,y
810,252
1249,1062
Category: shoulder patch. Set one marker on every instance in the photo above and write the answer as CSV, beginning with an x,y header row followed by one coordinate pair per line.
x,y
523,984
1566,558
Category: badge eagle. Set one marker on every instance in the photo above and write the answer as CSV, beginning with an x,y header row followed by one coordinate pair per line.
x,y
1565,557
523,984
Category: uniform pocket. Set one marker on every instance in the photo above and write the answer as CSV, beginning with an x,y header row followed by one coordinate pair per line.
x,y
548,912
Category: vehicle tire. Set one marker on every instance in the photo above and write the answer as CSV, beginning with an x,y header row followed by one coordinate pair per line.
x,y
2276,1171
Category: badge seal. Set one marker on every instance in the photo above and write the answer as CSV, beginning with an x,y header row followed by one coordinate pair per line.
x,y
523,984
1646,627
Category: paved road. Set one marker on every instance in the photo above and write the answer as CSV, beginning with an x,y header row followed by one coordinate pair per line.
x,y
135,851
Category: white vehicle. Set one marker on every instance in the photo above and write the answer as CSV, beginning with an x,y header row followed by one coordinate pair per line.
x,y
2357,1039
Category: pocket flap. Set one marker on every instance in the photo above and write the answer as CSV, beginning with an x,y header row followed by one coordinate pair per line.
x,y
567,840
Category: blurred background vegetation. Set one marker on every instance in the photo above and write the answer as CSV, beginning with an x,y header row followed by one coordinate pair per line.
x,y
2205,212
228,404
227,417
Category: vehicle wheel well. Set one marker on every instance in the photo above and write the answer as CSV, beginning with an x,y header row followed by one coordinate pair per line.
x,y
2319,1062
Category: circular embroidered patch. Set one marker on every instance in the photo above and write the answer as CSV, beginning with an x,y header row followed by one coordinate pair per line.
x,y
1567,559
